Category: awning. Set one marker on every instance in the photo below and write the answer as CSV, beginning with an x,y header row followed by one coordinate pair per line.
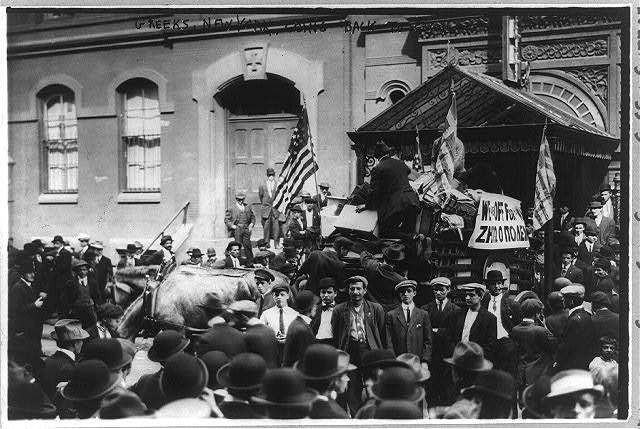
x,y
484,105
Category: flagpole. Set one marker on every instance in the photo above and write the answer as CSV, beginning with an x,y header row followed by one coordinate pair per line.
x,y
548,244
313,151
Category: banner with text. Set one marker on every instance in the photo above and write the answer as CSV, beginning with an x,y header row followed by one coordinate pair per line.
x,y
499,224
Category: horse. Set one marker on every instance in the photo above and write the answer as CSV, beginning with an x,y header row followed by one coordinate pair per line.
x,y
129,282
186,297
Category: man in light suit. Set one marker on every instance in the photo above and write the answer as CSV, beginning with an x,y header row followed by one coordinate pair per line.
x,y
266,193
606,225
239,220
321,198
409,327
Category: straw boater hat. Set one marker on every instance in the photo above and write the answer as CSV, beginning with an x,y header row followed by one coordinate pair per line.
x,y
573,381
68,330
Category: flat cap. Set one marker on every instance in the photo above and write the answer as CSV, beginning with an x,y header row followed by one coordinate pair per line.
x,y
406,283
573,289
240,195
244,306
445,281
473,286
324,185
356,279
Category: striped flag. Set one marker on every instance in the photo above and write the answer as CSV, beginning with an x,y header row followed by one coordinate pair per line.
x,y
299,165
545,185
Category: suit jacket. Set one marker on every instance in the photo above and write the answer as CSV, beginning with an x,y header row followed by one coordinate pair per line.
x,y
606,230
267,303
320,264
413,337
373,323
327,409
483,331
267,201
536,345
440,323
563,225
578,345
57,368
391,191
238,410
149,390
510,314
299,337
584,255
82,296
261,339
157,258
557,323
297,231
382,280
228,262
104,275
24,317
240,218
573,273
605,323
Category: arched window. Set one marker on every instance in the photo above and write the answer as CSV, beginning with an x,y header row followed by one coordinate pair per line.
x,y
59,148
140,160
392,91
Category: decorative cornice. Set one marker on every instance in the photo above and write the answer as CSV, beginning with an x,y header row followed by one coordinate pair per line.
x,y
467,57
564,49
549,22
454,27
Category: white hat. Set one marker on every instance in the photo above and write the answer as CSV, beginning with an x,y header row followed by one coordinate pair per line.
x,y
573,381
83,236
97,245
573,289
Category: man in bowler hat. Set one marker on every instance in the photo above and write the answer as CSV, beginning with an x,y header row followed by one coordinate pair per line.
x,y
239,219
242,379
384,276
59,301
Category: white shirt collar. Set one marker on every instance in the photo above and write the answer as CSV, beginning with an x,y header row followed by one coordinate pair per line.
x,y
411,306
576,308
306,319
69,353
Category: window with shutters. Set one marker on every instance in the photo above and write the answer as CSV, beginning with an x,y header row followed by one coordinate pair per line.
x,y
59,142
140,159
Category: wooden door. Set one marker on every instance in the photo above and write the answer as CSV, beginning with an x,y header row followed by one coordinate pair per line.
x,y
256,143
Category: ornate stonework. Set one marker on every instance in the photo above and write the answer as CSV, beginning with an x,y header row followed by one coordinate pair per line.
x,y
562,21
475,56
565,49
596,78
455,27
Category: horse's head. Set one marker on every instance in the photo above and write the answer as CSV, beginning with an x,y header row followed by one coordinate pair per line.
x,y
132,320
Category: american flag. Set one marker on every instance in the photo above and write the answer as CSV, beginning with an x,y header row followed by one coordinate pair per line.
x,y
450,155
299,165
545,185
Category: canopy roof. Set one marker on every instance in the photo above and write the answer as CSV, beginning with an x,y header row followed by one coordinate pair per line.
x,y
483,102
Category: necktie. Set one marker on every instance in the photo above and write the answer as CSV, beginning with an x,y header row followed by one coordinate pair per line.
x,y
495,303
564,271
327,307
260,302
408,315
440,306
281,326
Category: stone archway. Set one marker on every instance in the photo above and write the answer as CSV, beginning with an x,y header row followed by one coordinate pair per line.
x,y
308,78
569,94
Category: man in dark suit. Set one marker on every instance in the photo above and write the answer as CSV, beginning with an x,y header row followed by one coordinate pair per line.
x,y
239,219
241,378
392,195
567,267
103,269
606,323
589,246
535,344
321,263
321,198
321,322
298,224
474,323
129,260
577,345
69,337
606,226
233,255
82,290
408,327
508,314
384,276
357,326
58,299
440,311
266,193
164,256
299,335
563,221
557,318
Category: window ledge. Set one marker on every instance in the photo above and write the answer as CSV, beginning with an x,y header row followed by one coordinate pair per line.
x,y
58,199
138,197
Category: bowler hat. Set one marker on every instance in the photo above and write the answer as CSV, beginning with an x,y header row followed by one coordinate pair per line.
x,y
591,229
196,253
444,281
469,356
24,263
121,404
606,252
421,369
38,243
326,283
68,330
271,172
90,379
165,344
305,300
244,372
494,276
605,187
131,248
494,382
165,238
322,362
184,376
214,360
394,253
240,195
138,245
211,251
397,409
77,263
405,284
284,387
58,239
595,205
397,383
107,350
223,338
572,381
380,149
356,279
109,311
324,185
264,275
